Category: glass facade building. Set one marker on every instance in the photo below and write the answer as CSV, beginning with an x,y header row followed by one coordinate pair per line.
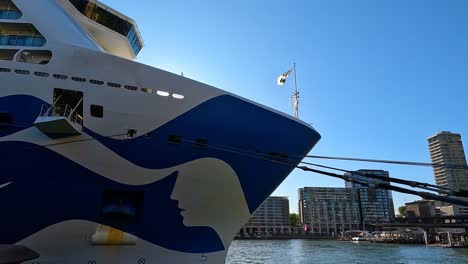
x,y
274,212
328,211
375,205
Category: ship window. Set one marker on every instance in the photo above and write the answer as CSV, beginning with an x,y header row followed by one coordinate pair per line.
x,y
8,10
20,34
132,88
5,70
162,93
115,85
96,82
121,203
134,41
174,139
131,132
178,96
41,74
22,71
5,118
102,16
7,54
147,90
78,79
34,56
97,111
59,76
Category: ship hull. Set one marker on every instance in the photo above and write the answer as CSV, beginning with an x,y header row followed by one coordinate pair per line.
x,y
166,171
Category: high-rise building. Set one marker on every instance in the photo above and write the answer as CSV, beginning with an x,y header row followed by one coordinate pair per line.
x,y
328,211
375,205
446,148
274,212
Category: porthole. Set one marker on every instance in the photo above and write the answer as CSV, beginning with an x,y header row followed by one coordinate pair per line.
x,y
5,70
147,90
131,88
41,74
96,82
22,71
59,76
162,93
178,96
78,79
115,85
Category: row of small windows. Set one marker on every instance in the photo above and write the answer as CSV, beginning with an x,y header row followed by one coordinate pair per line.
x,y
8,10
96,82
29,56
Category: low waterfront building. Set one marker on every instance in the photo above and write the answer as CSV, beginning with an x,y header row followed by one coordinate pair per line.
x,y
375,205
272,217
452,210
420,209
328,211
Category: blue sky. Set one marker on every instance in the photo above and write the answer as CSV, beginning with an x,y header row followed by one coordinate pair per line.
x,y
377,78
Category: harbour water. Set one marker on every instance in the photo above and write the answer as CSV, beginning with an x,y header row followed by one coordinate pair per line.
x,y
334,252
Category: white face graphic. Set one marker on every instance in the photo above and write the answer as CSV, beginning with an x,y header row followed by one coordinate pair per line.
x,y
210,194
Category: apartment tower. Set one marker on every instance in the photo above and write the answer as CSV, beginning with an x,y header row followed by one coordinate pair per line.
x,y
446,149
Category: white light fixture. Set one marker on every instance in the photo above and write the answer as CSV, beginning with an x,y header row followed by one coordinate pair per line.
x,y
162,93
178,96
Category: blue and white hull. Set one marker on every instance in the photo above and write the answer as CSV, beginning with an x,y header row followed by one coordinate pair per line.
x,y
166,172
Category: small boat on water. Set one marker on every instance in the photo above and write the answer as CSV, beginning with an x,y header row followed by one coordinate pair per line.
x,y
359,239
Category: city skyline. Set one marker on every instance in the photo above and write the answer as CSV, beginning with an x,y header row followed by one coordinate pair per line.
x,y
376,78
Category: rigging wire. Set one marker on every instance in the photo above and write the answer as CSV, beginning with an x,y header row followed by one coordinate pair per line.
x,y
397,162
415,184
380,185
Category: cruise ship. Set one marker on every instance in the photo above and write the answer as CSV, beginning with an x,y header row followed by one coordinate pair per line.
x,y
107,160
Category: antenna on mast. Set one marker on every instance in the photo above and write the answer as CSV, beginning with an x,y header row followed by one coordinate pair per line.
x,y
295,97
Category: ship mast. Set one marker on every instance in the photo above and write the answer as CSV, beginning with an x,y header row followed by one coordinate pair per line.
x,y
295,96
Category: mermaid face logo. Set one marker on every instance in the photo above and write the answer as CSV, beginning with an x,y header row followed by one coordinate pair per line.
x,y
210,195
